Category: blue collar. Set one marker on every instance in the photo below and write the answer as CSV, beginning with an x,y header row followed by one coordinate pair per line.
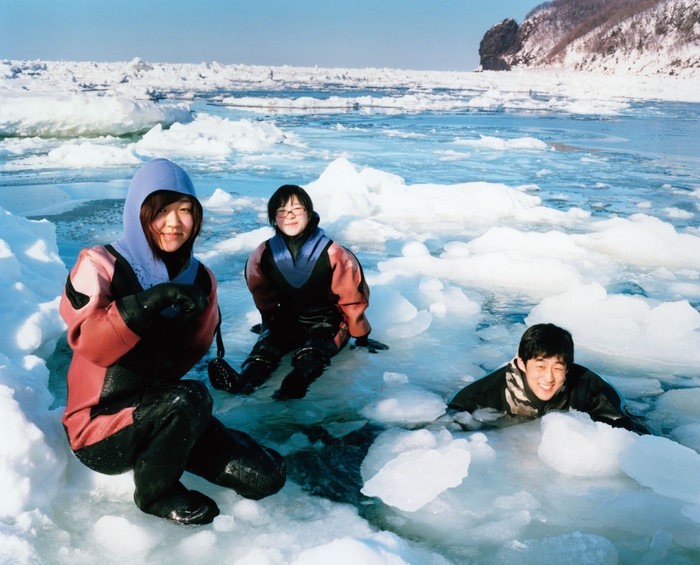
x,y
297,273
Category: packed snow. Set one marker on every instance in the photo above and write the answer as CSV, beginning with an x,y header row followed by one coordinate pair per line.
x,y
478,204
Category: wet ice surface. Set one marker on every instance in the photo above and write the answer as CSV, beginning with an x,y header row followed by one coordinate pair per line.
x,y
472,219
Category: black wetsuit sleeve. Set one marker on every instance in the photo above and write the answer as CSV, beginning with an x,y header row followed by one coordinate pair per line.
x,y
487,392
597,397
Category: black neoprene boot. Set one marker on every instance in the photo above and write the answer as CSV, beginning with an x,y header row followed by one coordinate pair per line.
x,y
224,377
157,494
234,460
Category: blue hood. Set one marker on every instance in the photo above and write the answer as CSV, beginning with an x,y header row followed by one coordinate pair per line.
x,y
158,174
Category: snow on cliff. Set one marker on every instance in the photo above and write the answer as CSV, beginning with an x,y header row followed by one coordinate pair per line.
x,y
647,37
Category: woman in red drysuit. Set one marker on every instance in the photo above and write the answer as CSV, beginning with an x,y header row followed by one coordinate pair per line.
x,y
140,313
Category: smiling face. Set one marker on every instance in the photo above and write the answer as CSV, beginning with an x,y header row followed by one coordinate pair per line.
x,y
292,218
173,225
544,375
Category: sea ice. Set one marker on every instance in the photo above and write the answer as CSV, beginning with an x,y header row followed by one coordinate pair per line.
x,y
642,240
575,445
76,114
211,137
499,144
340,191
111,532
688,435
394,316
409,469
399,403
685,400
567,549
379,549
664,466
460,255
625,326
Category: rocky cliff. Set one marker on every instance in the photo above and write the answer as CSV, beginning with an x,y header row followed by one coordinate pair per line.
x,y
609,36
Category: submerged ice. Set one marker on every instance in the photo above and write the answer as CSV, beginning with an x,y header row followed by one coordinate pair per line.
x,y
471,224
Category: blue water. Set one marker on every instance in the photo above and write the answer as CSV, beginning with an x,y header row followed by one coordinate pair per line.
x,y
634,154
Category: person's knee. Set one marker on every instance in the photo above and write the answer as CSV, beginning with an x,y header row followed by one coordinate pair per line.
x,y
187,401
314,353
192,398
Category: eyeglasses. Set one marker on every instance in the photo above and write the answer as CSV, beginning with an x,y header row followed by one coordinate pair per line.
x,y
296,211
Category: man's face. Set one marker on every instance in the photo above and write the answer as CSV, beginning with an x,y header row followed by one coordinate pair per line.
x,y
545,375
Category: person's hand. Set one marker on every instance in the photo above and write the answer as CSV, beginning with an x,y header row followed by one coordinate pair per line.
x,y
189,298
371,345
139,310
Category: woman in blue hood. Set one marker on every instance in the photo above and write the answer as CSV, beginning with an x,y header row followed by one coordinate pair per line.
x,y
141,312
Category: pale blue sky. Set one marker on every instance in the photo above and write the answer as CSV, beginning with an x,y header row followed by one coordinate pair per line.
x,y
408,34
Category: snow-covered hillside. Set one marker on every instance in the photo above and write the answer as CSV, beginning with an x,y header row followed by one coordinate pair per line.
x,y
612,37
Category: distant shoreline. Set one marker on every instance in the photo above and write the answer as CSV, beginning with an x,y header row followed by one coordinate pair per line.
x,y
140,80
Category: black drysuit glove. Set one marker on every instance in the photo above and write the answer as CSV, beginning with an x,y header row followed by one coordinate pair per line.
x,y
372,345
139,310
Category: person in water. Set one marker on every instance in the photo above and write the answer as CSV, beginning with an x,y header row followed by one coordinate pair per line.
x,y
544,377
140,313
311,294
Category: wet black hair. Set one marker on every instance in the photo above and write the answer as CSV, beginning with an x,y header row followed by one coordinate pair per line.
x,y
282,196
546,340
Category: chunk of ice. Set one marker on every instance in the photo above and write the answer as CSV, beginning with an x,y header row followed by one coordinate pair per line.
x,y
665,466
575,445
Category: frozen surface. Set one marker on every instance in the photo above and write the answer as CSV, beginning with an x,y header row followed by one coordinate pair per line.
x,y
425,464
398,402
665,467
77,114
573,549
478,204
574,445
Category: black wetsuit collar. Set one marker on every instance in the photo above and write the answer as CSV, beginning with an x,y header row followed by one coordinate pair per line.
x,y
175,262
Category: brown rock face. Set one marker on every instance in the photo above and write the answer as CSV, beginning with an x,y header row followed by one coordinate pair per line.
x,y
500,40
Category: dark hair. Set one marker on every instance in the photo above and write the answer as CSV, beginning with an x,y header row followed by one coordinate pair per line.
x,y
282,195
153,204
546,340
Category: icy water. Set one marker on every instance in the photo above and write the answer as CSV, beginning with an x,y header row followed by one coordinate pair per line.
x,y
447,320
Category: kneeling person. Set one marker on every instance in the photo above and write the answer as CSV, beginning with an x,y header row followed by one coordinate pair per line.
x,y
543,377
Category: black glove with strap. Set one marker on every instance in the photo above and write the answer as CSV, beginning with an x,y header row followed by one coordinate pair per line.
x,y
139,310
372,345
